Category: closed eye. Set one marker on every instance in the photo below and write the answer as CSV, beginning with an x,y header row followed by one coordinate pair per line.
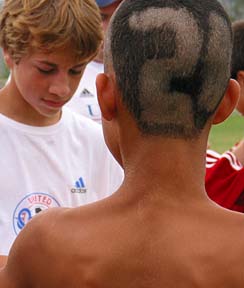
x,y
46,71
75,72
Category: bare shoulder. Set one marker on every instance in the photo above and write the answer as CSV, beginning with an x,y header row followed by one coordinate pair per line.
x,y
28,258
57,241
238,226
236,251
231,229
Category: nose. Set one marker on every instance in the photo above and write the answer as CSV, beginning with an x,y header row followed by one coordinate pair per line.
x,y
60,85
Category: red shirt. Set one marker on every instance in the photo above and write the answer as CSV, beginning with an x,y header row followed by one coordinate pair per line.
x,y
225,180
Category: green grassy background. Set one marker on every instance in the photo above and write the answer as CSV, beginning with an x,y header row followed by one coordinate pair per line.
x,y
223,136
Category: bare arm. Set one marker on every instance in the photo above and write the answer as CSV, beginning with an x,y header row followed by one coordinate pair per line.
x,y
3,260
11,268
18,269
5,281
26,264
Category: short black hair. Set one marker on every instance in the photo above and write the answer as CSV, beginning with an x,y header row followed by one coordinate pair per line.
x,y
172,62
238,48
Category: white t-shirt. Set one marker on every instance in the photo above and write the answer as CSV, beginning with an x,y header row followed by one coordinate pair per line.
x,y
84,100
66,164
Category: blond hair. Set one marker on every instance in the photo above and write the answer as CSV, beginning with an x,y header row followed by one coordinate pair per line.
x,y
50,24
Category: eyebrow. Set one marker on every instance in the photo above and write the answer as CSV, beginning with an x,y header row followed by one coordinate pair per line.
x,y
55,65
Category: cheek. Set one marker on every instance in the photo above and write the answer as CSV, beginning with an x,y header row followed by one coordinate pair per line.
x,y
74,83
31,85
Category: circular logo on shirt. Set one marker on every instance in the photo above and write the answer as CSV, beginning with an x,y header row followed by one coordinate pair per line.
x,y
29,206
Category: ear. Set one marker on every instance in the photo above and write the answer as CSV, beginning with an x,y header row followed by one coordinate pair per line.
x,y
240,78
228,103
8,59
106,96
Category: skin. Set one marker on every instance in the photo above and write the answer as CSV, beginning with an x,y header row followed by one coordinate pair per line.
x,y
153,232
106,13
3,260
41,83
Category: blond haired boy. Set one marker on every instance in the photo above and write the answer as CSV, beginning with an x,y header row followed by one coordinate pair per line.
x,y
50,157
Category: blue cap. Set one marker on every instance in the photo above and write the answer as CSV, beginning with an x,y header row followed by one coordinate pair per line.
x,y
104,3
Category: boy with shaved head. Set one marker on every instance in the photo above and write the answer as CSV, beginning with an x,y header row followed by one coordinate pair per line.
x,y
166,80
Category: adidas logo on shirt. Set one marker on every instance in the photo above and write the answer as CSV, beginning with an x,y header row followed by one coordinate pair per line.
x,y
86,94
79,186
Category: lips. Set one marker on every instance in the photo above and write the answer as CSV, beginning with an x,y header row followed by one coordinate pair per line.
x,y
54,104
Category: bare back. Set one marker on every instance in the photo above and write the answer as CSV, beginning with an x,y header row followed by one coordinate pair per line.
x,y
117,243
